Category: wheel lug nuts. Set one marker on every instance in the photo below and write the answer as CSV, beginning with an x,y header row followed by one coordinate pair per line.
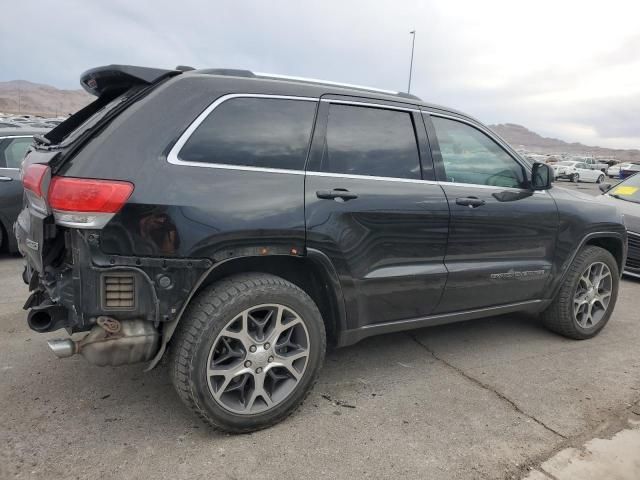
x,y
270,359
247,363
258,370
252,348
266,346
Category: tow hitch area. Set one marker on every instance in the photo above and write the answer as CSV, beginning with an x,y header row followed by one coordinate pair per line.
x,y
112,342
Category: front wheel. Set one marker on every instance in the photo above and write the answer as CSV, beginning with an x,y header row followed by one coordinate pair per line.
x,y
586,300
248,352
600,179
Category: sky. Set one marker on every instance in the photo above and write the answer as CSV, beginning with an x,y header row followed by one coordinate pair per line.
x,y
563,68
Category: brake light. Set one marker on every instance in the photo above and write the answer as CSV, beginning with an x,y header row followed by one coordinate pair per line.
x,y
33,176
88,195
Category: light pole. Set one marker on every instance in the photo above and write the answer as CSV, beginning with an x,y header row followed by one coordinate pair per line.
x,y
413,44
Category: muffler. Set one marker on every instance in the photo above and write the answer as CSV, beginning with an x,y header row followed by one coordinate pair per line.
x,y
112,342
47,318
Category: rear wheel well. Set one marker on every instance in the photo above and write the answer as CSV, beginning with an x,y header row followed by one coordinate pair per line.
x,y
610,244
301,271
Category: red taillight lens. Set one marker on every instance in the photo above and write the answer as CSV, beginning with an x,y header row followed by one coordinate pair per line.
x,y
32,177
88,195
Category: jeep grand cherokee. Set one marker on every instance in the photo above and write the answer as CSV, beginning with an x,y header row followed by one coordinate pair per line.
x,y
242,221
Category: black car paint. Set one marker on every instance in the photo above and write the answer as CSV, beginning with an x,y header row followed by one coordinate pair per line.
x,y
11,188
400,255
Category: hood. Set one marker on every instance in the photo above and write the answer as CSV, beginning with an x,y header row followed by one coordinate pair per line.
x,y
630,210
565,193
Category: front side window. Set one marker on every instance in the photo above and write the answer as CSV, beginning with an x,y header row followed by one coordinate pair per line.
x,y
12,151
254,132
470,156
370,141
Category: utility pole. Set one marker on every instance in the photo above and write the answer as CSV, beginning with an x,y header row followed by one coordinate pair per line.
x,y
413,44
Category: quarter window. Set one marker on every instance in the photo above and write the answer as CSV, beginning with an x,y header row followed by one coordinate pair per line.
x,y
254,132
470,156
13,151
370,141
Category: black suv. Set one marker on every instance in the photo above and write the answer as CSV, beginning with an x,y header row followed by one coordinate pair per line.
x,y
243,221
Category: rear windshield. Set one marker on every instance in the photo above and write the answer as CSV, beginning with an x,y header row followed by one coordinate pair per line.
x,y
90,116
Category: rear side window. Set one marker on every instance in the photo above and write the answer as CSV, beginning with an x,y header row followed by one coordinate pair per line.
x,y
12,151
370,141
254,132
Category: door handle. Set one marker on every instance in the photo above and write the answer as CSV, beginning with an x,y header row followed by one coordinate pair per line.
x,y
339,194
471,202
5,179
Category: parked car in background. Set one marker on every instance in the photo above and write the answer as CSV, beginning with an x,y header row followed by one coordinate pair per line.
x,y
626,196
595,164
630,170
614,170
14,143
577,172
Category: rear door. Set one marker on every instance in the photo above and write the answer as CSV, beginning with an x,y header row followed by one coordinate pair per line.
x,y
502,234
369,209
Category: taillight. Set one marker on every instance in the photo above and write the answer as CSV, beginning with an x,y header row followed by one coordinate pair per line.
x,y
33,177
85,202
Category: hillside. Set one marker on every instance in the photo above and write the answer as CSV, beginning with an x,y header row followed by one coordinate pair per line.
x,y
519,136
20,96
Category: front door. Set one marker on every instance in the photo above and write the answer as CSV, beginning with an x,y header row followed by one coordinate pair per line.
x,y
370,211
502,234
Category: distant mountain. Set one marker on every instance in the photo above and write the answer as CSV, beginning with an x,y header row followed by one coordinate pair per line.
x,y
20,96
519,136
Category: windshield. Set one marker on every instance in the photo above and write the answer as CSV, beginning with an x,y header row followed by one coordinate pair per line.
x,y
628,190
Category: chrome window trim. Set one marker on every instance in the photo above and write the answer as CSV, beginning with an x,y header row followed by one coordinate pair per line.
x,y
369,104
16,136
312,173
174,158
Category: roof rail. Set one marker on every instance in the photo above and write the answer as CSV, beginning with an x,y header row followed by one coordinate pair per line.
x,y
336,84
232,72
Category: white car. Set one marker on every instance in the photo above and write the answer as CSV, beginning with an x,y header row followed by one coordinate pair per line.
x,y
577,172
614,171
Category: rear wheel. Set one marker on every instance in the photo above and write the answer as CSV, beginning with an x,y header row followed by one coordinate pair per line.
x,y
248,352
575,178
586,300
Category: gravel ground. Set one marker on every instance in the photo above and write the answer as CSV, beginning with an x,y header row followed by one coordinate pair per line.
x,y
484,399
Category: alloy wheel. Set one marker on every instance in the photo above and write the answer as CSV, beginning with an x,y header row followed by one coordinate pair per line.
x,y
593,294
258,359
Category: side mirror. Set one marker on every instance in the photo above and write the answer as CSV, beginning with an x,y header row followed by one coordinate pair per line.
x,y
605,187
541,176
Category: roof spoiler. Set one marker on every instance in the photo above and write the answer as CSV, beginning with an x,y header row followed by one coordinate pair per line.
x,y
121,77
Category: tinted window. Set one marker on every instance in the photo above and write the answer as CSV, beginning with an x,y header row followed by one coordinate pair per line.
x,y
370,141
255,132
470,156
12,151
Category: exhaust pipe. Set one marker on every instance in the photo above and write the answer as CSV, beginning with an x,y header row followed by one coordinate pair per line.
x,y
112,342
62,347
47,318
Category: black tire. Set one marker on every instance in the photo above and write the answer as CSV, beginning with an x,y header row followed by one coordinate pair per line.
x,y
575,178
559,316
600,179
208,314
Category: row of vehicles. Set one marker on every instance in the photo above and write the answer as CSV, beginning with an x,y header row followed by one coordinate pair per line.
x,y
12,121
251,223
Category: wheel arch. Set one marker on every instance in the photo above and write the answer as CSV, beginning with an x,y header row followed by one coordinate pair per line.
x,y
313,273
